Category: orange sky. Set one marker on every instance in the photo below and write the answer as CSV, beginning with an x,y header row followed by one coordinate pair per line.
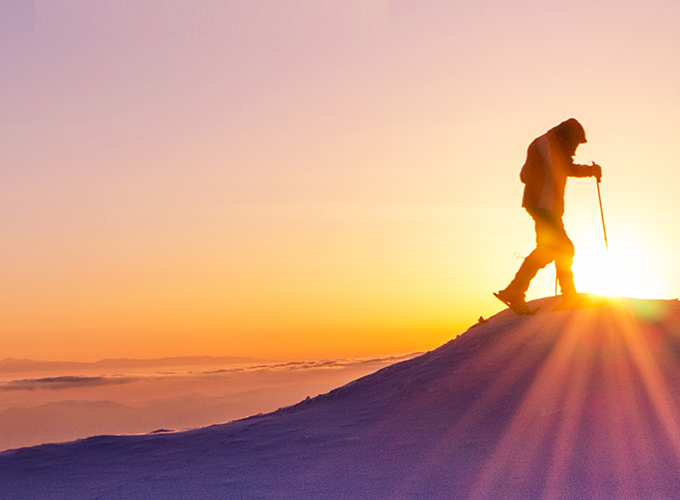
x,y
302,179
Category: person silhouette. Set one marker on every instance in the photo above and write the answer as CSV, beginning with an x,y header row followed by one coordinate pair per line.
x,y
550,160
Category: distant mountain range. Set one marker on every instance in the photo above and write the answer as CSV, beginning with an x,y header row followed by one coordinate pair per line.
x,y
10,365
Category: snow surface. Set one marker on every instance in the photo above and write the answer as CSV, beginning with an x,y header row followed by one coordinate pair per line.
x,y
566,404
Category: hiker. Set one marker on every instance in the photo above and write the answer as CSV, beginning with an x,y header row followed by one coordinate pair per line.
x,y
549,162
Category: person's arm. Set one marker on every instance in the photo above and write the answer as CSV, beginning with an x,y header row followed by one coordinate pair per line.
x,y
593,170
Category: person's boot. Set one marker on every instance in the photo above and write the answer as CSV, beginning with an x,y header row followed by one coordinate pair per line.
x,y
570,297
515,300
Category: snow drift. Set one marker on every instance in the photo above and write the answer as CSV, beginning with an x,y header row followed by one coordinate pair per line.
x,y
565,404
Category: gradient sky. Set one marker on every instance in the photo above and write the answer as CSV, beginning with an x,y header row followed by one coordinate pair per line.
x,y
313,178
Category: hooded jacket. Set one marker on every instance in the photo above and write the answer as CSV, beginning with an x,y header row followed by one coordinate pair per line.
x,y
549,162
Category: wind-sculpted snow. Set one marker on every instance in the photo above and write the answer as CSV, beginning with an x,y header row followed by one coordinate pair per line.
x,y
566,404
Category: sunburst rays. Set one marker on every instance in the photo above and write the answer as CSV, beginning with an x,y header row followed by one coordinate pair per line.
x,y
603,392
577,402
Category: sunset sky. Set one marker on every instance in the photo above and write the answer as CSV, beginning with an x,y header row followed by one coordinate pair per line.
x,y
316,178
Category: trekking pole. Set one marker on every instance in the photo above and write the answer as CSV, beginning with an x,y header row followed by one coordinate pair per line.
x,y
604,229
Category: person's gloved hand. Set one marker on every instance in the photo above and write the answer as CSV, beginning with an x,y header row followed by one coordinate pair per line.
x,y
597,171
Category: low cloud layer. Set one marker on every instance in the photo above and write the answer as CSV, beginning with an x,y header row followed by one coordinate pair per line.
x,y
80,381
324,363
67,382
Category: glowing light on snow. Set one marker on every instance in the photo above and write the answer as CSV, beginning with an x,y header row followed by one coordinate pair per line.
x,y
555,407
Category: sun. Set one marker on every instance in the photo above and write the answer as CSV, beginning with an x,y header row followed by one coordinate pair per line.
x,y
629,269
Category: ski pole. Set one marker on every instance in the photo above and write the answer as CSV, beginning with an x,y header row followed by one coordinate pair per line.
x,y
604,229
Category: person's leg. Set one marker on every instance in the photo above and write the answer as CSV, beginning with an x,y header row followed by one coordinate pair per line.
x,y
542,255
533,263
556,244
563,262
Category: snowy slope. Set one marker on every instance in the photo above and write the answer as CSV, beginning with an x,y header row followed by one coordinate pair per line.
x,y
565,404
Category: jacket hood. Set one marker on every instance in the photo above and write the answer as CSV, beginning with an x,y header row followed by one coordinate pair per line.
x,y
571,131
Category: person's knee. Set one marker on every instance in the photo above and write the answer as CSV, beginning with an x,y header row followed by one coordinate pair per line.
x,y
564,261
566,248
541,257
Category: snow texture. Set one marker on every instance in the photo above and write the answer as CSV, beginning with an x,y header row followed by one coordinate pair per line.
x,y
573,404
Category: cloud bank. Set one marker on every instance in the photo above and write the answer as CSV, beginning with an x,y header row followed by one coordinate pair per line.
x,y
66,382
80,381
